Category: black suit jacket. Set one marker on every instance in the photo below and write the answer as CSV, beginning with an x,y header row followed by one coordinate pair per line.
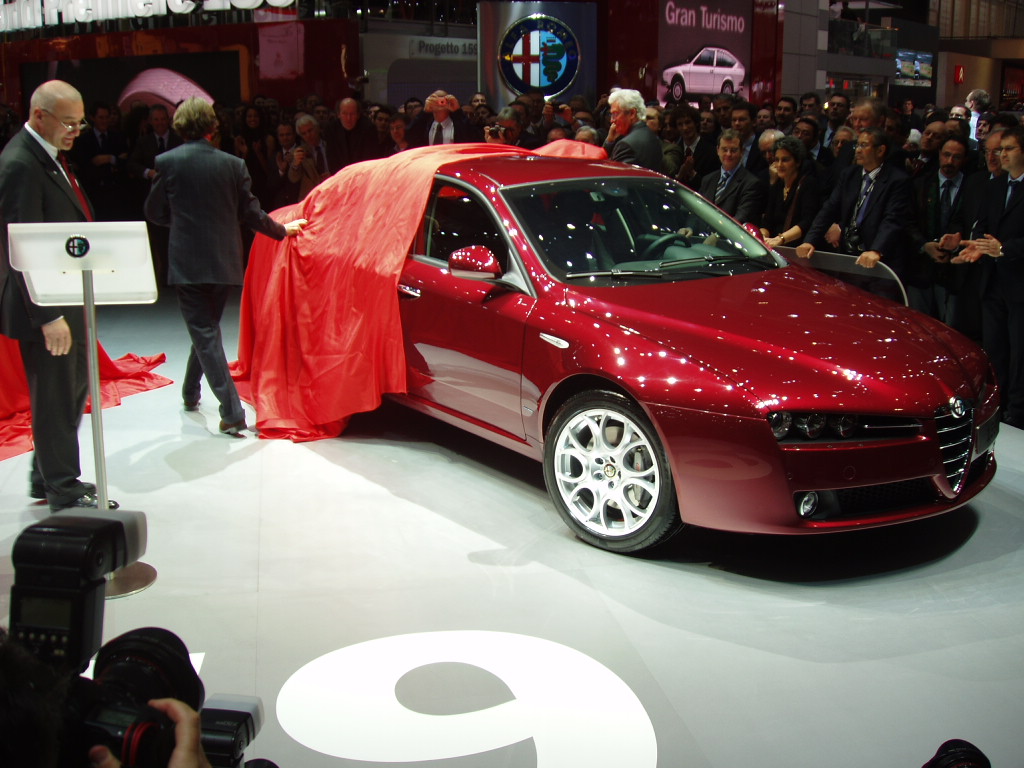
x,y
143,157
345,147
744,199
887,213
705,161
755,160
1006,224
927,226
32,189
419,133
641,146
202,194
102,177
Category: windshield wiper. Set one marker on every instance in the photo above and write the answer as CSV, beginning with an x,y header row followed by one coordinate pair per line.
x,y
623,273
709,259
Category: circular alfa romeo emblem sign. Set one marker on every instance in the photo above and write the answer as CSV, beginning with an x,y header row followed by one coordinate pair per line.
x,y
76,246
539,52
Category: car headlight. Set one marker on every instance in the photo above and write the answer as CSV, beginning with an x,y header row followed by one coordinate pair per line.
x,y
812,425
780,422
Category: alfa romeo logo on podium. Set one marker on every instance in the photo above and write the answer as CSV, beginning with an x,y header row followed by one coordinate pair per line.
x,y
76,246
539,52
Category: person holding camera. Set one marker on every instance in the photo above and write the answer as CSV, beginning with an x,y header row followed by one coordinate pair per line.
x,y
188,749
868,211
32,711
442,121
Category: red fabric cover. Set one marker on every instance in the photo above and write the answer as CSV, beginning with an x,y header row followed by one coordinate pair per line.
x,y
573,148
118,379
321,336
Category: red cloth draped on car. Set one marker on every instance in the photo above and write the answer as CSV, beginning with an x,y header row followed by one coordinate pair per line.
x,y
321,335
118,379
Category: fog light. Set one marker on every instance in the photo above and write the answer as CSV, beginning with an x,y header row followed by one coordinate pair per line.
x,y
808,504
780,422
810,424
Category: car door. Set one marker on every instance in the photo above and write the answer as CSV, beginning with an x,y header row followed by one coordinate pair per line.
x,y
463,337
701,76
725,69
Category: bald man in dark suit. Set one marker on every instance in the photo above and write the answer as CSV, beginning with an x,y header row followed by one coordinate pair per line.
x,y
36,186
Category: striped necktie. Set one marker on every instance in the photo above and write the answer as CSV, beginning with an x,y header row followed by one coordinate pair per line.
x,y
722,181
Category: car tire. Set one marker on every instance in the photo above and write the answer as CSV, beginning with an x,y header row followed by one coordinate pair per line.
x,y
727,87
677,90
607,473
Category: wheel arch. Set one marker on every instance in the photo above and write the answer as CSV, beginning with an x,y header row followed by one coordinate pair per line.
x,y
573,385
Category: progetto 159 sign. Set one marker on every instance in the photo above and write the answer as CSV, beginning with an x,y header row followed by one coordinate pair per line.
x,y
32,14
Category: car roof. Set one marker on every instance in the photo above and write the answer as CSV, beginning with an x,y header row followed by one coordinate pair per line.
x,y
509,171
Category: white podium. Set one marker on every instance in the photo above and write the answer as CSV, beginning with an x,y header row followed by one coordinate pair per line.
x,y
89,263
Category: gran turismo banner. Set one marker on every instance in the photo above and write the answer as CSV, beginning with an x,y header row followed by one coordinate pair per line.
x,y
704,48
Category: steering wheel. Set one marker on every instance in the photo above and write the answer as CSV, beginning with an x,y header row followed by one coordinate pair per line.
x,y
660,242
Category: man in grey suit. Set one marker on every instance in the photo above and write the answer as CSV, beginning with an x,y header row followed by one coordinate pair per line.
x,y
629,139
202,194
36,185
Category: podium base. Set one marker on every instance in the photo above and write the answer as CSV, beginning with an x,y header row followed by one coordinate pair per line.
x,y
130,580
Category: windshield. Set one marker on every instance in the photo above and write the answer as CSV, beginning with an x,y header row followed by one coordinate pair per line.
x,y
633,229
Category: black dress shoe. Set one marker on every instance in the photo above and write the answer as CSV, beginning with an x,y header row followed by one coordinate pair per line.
x,y
191,405
85,501
38,490
233,428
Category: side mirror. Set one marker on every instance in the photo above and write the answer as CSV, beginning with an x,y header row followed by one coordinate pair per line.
x,y
476,262
754,230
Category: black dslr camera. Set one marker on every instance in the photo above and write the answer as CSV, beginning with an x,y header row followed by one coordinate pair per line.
x,y
854,240
60,568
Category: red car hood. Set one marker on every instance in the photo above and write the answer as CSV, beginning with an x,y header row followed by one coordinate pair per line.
x,y
796,339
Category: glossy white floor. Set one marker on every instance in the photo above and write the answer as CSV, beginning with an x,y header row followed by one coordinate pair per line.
x,y
478,632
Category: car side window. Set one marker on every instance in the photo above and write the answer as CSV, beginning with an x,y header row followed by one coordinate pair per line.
x,y
706,58
455,219
725,60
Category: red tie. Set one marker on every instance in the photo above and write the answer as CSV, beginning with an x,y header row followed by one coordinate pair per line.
x,y
74,185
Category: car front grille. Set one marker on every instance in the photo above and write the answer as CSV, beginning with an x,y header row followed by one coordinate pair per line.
x,y
954,434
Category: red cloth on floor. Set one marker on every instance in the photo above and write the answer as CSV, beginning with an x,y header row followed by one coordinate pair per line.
x,y
320,335
118,379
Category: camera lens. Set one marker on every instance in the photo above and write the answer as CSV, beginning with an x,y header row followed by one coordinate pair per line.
x,y
149,663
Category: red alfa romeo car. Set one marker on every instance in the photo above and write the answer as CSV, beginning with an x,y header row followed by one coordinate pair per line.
x,y
668,369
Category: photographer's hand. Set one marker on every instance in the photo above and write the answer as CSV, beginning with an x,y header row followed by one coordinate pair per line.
x,y
188,751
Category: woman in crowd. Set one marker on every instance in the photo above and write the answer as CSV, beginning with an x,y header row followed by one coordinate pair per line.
x,y
255,145
794,198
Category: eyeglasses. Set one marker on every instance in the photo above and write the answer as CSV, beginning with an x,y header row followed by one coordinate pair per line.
x,y
865,144
1007,148
70,128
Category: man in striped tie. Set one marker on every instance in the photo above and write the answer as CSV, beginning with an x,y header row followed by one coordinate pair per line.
x,y
734,189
